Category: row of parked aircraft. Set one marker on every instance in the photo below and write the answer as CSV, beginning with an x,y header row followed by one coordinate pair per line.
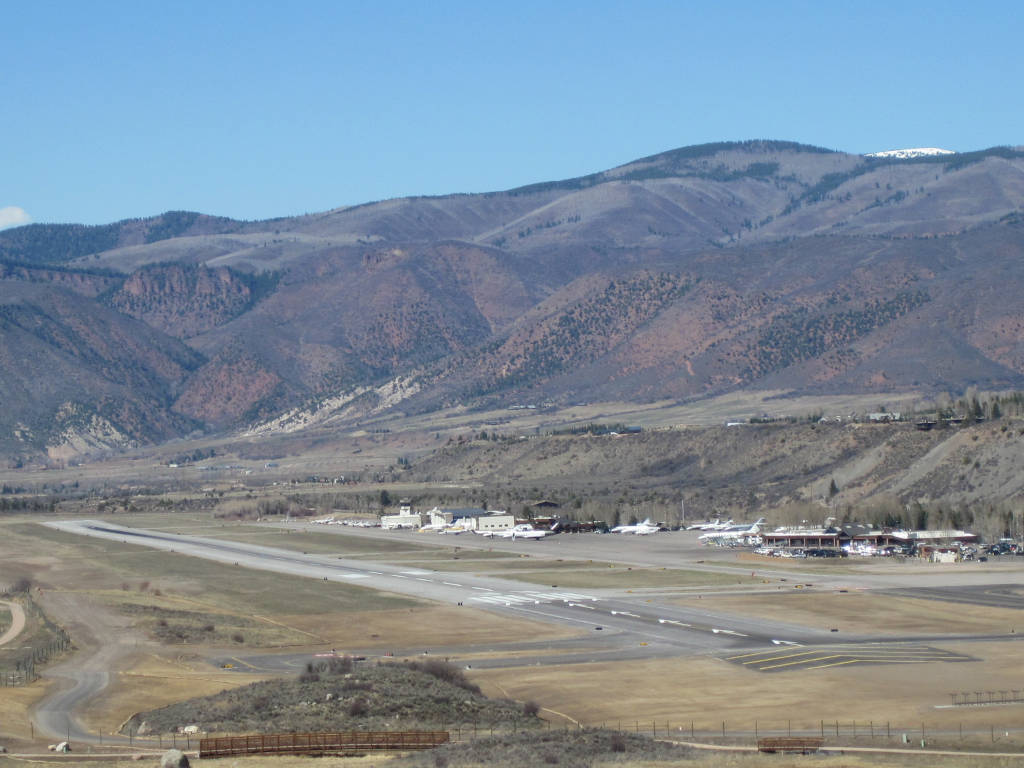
x,y
717,531
355,523
521,531
732,533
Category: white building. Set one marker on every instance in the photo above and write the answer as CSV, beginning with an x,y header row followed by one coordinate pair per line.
x,y
496,521
409,520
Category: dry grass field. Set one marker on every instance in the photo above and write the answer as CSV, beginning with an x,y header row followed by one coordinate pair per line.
x,y
709,691
15,703
426,626
91,563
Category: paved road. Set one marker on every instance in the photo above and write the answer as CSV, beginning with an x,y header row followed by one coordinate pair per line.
x,y
103,639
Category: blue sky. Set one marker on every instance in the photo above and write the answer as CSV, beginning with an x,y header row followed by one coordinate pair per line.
x,y
113,110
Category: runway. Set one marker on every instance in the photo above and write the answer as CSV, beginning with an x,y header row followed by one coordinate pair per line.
x,y
625,620
640,619
613,625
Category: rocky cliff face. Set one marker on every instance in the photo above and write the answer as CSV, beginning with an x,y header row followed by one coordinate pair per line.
x,y
183,300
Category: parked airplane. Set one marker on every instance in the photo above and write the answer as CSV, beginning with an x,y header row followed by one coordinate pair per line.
x,y
521,531
439,527
742,532
640,529
710,525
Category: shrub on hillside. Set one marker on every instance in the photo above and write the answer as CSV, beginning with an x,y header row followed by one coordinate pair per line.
x,y
340,695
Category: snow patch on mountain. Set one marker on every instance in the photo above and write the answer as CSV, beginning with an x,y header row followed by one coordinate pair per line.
x,y
904,154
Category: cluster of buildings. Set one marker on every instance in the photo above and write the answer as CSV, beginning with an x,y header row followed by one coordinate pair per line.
x,y
861,539
450,520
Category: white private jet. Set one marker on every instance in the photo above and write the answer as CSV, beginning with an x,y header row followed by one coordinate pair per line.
x,y
711,525
521,531
742,532
439,527
640,529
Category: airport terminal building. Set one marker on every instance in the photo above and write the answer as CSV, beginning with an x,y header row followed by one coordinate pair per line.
x,y
857,535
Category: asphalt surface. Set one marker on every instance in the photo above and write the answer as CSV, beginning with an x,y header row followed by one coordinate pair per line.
x,y
617,624
84,675
991,595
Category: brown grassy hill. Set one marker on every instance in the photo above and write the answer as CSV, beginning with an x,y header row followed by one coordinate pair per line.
x,y
693,272
73,367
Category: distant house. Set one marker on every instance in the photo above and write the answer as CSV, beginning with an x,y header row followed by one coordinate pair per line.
x,y
544,505
884,417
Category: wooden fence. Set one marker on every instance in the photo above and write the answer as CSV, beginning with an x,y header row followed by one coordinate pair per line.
x,y
320,743
804,746
21,669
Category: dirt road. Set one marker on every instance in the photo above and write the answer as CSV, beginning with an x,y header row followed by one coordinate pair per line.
x,y
17,622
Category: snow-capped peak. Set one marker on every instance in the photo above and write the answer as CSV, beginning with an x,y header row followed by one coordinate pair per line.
x,y
904,154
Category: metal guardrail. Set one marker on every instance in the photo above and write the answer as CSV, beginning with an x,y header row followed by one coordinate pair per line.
x,y
320,743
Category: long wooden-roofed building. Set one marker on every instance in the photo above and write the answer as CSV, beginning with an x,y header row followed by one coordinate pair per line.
x,y
850,535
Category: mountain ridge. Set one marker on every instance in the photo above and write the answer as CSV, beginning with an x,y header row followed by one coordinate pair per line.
x,y
683,274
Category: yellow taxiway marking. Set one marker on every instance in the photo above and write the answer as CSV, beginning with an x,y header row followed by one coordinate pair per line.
x,y
781,657
763,654
871,661
803,661
835,664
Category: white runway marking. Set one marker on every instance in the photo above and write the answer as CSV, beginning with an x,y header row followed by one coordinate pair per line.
x,y
518,598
